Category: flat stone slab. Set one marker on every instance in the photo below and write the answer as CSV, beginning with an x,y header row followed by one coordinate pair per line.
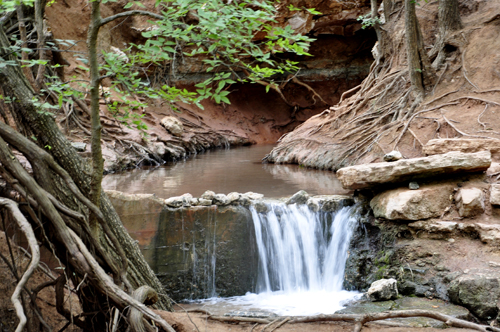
x,y
466,145
371,175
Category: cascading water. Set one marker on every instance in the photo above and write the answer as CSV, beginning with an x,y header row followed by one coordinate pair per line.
x,y
302,257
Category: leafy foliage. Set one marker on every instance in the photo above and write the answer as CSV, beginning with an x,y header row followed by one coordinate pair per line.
x,y
237,41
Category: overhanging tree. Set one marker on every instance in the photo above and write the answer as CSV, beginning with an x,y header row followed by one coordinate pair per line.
x,y
72,215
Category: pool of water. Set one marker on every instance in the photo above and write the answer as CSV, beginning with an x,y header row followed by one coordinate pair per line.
x,y
225,171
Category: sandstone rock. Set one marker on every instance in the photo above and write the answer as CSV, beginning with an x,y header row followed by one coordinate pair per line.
x,y
208,195
253,196
173,125
383,290
494,169
442,228
489,234
393,156
478,293
495,194
470,202
466,145
233,197
221,199
405,204
174,202
368,175
299,197
204,202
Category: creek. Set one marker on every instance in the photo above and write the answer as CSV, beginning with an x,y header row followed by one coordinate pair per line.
x,y
224,171
288,259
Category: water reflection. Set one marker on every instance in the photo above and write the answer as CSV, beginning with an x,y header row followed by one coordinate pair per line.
x,y
224,171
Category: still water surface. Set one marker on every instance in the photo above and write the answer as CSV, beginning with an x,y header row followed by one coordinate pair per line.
x,y
224,171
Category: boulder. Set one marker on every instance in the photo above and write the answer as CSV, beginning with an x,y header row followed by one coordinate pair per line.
x,y
172,125
383,290
221,199
479,293
470,202
300,197
489,234
369,175
406,204
466,145
393,156
495,194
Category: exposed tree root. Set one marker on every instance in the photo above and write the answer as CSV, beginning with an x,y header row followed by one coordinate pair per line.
x,y
360,319
25,227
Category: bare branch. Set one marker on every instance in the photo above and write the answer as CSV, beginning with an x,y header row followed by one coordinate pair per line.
x,y
130,13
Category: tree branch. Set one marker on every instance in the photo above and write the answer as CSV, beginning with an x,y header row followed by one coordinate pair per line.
x,y
130,13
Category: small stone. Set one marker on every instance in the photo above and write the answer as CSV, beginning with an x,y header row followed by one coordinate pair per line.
x,y
244,201
261,207
233,197
186,200
172,125
204,202
253,196
209,195
194,201
393,156
174,202
221,199
383,290
413,186
470,202
79,146
313,204
495,194
451,240
300,197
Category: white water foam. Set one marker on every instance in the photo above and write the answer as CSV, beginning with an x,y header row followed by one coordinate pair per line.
x,y
302,261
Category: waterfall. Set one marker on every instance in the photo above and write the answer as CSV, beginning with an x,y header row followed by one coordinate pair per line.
x,y
302,256
302,250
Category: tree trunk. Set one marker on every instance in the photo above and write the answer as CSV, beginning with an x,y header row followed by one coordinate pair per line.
x,y
43,127
448,21
415,65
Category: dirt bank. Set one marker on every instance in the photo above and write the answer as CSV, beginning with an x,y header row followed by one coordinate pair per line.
x,y
462,102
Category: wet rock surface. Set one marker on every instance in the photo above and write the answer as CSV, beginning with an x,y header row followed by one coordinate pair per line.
x,y
408,303
370,175
479,293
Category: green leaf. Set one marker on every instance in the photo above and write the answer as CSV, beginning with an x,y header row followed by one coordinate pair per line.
x,y
128,5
